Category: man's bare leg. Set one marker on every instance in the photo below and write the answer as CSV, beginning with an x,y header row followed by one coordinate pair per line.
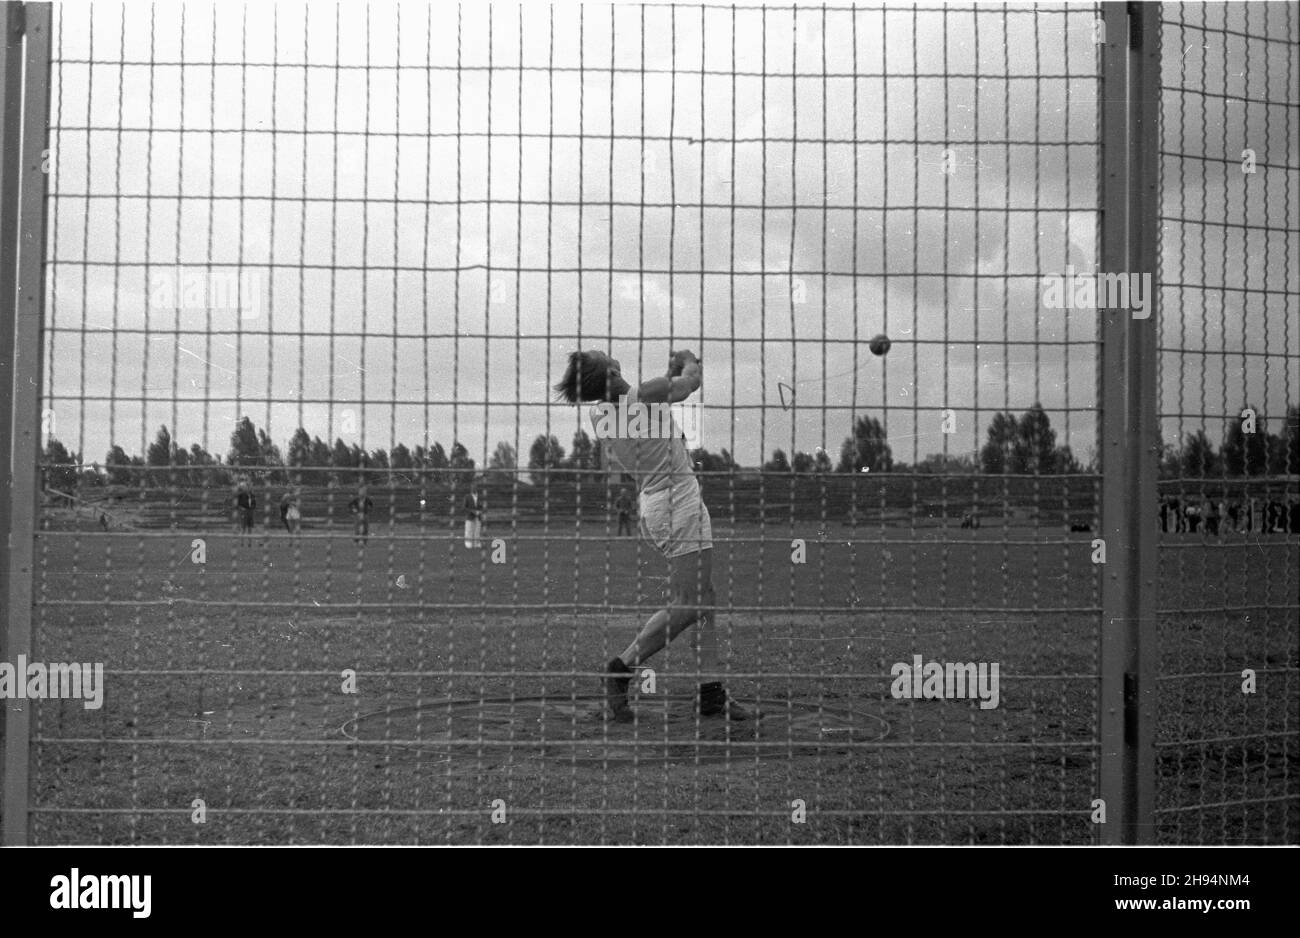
x,y
691,588
662,628
691,585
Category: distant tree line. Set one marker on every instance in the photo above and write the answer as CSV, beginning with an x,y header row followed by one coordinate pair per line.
x,y
1241,453
1023,445
307,460
1020,445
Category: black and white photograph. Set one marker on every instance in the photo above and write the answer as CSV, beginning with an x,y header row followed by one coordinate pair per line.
x,y
651,424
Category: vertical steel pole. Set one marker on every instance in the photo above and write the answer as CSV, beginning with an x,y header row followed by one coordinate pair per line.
x,y
27,400
11,84
1129,185
1144,429
1113,451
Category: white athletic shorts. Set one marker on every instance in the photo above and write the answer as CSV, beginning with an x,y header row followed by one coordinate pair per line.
x,y
675,519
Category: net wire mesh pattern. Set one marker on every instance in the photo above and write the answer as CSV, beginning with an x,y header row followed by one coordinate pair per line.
x,y
1229,384
354,574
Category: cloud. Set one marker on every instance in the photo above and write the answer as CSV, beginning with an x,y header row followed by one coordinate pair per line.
x,y
715,229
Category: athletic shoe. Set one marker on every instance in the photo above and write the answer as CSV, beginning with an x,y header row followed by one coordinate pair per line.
x,y
714,701
615,689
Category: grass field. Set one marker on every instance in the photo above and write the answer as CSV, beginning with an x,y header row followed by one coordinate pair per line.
x,y
476,690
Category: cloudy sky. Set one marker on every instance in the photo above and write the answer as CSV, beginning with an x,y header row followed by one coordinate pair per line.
x,y
438,203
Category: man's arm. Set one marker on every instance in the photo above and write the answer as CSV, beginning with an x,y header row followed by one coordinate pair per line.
x,y
671,390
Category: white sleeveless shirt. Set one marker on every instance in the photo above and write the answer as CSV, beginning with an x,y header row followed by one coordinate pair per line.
x,y
651,449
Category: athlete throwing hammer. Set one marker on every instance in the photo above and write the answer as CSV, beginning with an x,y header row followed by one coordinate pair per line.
x,y
672,512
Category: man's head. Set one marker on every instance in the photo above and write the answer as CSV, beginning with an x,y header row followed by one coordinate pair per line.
x,y
591,376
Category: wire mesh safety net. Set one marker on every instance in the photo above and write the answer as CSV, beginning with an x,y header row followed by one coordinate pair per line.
x,y
1229,408
355,575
